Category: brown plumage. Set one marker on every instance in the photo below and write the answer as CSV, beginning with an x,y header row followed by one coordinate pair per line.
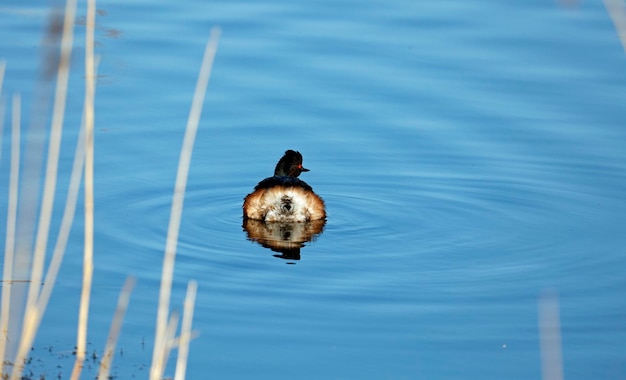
x,y
284,197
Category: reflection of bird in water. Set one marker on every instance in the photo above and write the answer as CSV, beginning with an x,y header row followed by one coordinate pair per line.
x,y
284,197
286,238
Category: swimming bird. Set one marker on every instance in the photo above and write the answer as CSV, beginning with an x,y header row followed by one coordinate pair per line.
x,y
284,197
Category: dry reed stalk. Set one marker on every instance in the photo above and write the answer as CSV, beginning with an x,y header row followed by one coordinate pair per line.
x,y
2,115
31,168
64,231
550,337
185,331
66,222
170,337
31,312
81,340
9,243
167,342
3,66
52,160
617,12
11,222
116,326
159,356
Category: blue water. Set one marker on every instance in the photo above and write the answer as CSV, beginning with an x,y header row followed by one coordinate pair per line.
x,y
471,156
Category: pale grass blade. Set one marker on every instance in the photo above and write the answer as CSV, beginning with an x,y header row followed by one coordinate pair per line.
x,y
9,248
185,331
116,327
177,203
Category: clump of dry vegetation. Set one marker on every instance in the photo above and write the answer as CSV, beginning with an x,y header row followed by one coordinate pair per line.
x,y
26,283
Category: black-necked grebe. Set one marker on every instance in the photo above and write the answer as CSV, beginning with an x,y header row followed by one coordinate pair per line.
x,y
284,197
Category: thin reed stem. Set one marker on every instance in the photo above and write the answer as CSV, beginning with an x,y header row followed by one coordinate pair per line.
x,y
3,66
550,337
177,203
2,115
617,12
167,342
52,160
170,335
66,221
185,331
30,315
116,327
9,248
81,340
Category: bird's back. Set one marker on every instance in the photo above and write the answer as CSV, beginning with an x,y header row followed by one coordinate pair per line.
x,y
283,199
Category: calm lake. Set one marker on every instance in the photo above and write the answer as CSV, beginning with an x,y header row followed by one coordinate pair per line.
x,y
472,157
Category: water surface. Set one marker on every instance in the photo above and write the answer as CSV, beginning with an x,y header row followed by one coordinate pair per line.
x,y
471,156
